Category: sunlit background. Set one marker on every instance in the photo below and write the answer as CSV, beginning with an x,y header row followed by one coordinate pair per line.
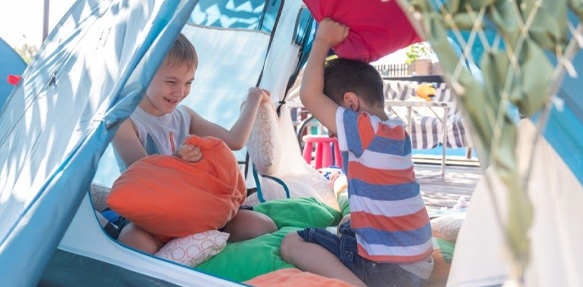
x,y
21,22
21,26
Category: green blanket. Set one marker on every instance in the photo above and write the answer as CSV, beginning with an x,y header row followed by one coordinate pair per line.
x,y
245,260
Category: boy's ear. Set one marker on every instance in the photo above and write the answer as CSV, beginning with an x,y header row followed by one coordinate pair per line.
x,y
352,101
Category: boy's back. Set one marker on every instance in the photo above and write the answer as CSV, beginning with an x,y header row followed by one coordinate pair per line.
x,y
387,240
387,211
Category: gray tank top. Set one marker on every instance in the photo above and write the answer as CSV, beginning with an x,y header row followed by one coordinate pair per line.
x,y
160,135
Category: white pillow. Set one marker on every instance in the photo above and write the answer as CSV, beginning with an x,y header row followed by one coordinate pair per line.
x,y
264,143
323,189
194,249
99,196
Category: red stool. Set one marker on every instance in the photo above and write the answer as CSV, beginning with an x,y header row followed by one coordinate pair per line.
x,y
324,154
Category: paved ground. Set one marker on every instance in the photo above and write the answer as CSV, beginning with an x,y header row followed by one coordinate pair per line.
x,y
437,192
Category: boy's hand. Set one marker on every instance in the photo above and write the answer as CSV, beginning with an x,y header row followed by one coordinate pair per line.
x,y
344,219
331,32
258,95
188,153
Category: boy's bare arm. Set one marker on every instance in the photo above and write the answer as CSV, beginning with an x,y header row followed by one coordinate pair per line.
x,y
237,136
127,143
329,34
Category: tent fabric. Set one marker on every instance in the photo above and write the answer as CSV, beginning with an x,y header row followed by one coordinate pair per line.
x,y
517,73
218,84
237,14
86,239
94,68
281,63
566,121
227,14
229,80
480,257
371,35
96,273
305,38
47,161
10,64
40,190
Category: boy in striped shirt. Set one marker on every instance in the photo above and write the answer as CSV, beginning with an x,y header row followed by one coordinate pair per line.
x,y
386,239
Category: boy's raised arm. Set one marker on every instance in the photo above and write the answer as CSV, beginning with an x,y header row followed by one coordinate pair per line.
x,y
329,34
237,136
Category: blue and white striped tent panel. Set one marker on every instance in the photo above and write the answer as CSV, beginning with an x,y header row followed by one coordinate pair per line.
x,y
427,126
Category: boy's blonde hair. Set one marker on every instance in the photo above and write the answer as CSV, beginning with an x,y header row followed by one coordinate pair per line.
x,y
182,53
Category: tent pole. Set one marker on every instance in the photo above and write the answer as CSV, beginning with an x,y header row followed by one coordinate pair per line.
x,y
46,19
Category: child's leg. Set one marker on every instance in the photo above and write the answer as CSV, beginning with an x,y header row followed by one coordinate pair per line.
x,y
107,226
248,224
140,239
316,259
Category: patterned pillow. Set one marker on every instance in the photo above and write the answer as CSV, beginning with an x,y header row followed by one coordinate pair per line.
x,y
264,144
194,249
323,190
99,196
447,227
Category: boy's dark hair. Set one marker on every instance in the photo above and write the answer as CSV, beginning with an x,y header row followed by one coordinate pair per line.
x,y
182,53
344,75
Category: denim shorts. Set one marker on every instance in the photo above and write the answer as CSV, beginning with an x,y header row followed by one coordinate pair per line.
x,y
373,274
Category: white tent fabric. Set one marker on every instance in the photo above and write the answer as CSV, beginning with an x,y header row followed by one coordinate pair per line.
x,y
226,70
479,258
301,179
86,238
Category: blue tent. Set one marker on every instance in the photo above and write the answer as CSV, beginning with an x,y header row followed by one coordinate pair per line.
x,y
10,64
486,247
566,123
89,76
563,123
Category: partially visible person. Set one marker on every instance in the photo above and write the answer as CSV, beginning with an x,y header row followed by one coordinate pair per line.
x,y
159,125
386,238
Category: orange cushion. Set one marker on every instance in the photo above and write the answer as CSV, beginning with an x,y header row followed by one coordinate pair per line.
x,y
172,198
294,277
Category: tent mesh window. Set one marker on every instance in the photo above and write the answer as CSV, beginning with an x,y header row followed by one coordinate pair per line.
x,y
523,50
